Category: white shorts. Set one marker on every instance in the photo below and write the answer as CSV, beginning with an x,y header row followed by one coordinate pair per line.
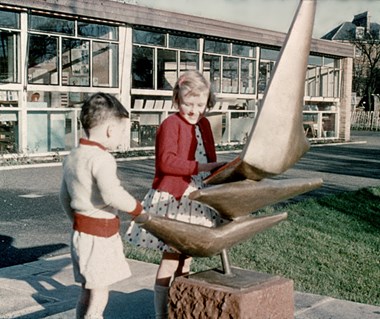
x,y
98,261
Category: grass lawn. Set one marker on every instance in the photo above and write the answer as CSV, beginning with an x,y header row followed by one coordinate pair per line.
x,y
328,246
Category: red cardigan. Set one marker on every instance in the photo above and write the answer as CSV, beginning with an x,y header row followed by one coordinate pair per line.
x,y
176,144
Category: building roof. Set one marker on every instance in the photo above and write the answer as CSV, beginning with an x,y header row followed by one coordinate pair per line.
x,y
348,30
130,14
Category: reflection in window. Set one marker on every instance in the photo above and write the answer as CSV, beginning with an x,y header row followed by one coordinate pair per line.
x,y
9,19
188,61
8,98
241,124
49,24
247,76
230,75
311,81
269,54
211,70
105,64
148,37
315,60
329,125
243,50
142,68
166,69
75,62
265,70
43,59
217,47
9,132
8,57
99,31
143,128
181,42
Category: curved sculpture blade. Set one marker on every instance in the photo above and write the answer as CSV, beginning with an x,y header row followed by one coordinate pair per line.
x,y
241,198
277,140
201,241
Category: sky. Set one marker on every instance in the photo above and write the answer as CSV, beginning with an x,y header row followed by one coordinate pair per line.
x,y
275,15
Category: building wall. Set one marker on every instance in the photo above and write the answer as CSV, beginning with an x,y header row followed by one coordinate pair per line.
x,y
50,120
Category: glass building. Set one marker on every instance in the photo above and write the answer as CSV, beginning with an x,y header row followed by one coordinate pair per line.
x,y
53,55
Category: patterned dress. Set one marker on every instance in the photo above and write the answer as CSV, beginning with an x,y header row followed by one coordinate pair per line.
x,y
186,210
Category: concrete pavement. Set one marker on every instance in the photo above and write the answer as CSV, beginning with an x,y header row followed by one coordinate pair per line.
x,y
46,289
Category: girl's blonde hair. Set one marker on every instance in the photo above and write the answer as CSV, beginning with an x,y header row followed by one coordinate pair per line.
x,y
192,83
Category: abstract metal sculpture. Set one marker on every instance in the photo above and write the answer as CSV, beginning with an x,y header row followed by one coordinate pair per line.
x,y
276,142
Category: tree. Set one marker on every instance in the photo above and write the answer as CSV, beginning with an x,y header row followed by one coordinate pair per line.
x,y
366,75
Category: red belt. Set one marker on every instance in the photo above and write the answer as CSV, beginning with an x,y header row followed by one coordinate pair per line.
x,y
101,227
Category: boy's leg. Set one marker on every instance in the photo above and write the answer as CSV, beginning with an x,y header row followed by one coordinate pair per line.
x,y
92,303
82,304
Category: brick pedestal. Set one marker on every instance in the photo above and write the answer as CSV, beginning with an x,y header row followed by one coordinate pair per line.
x,y
242,295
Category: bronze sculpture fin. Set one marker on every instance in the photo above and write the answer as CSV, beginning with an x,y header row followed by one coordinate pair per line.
x,y
201,241
241,198
277,140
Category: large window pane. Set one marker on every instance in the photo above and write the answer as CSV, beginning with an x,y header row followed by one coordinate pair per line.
x,y
311,81
336,83
217,47
55,99
43,60
148,37
265,70
211,70
49,24
8,98
46,131
243,50
143,128
248,76
104,64
181,42
324,91
230,75
8,57
9,19
9,130
75,62
188,61
99,31
329,125
315,60
166,69
241,124
269,54
142,68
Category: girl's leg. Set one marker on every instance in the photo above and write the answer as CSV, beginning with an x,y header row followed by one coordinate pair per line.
x,y
183,266
92,303
168,266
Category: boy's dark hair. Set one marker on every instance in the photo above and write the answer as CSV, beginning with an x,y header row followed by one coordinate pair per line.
x,y
100,107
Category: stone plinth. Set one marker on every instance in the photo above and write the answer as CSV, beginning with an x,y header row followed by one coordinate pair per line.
x,y
242,295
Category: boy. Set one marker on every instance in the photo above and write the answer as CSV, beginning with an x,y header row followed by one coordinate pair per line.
x,y
91,195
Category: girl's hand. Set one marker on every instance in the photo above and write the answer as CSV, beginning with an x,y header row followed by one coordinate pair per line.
x,y
207,167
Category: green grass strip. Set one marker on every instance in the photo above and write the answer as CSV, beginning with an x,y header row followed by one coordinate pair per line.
x,y
329,246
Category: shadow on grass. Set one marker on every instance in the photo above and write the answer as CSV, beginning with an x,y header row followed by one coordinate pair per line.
x,y
363,204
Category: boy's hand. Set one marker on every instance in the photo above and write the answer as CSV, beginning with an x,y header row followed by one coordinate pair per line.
x,y
142,218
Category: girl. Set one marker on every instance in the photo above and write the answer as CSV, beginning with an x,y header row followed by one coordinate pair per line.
x,y
185,154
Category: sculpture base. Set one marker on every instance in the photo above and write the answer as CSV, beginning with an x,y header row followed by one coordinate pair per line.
x,y
243,294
